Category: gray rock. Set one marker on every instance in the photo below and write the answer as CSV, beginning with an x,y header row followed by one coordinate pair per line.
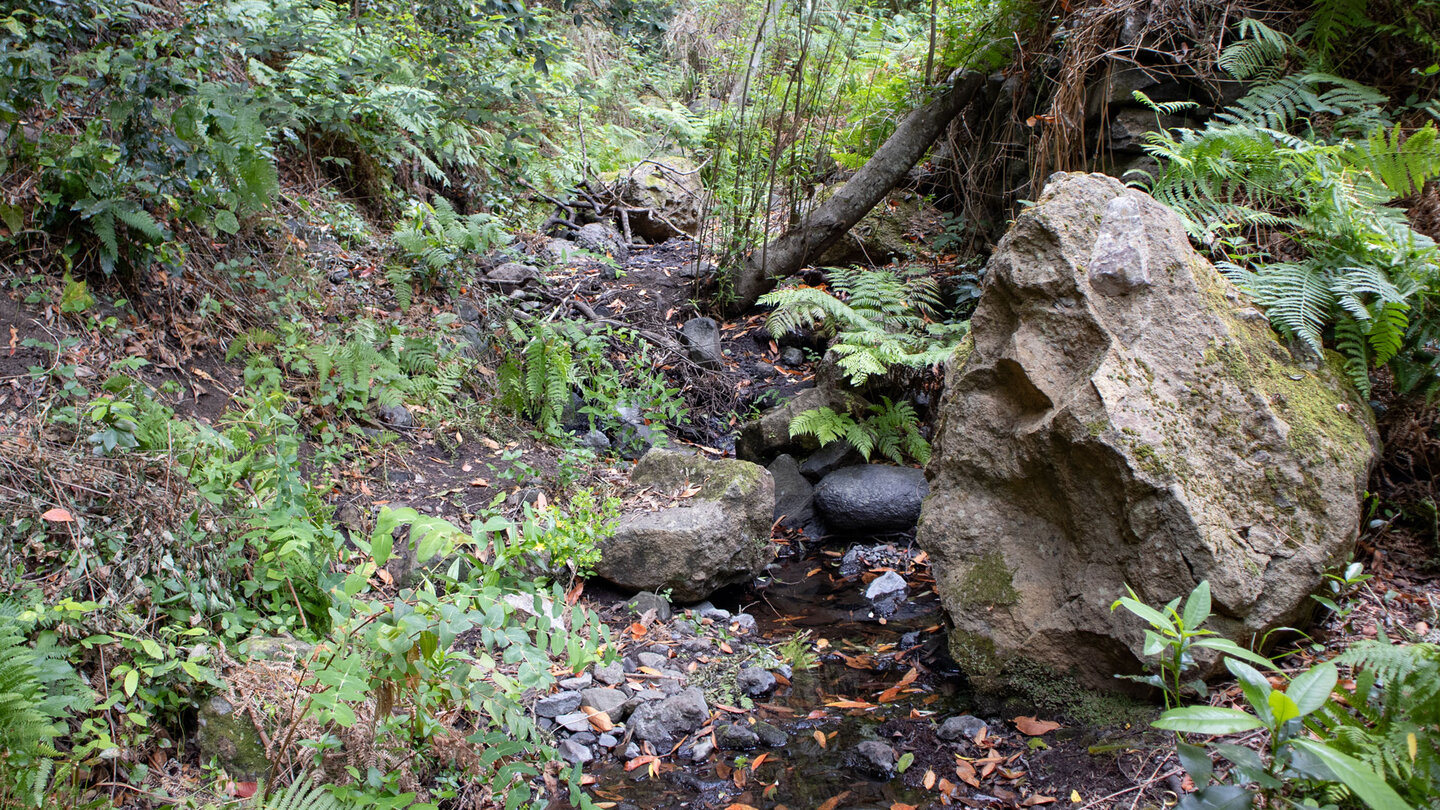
x,y
830,458
706,610
584,737
612,674
631,436
605,699
770,736
652,660
229,736
960,727
663,723
792,357
595,440
1090,441
603,240
736,737
646,601
560,251
886,592
574,752
582,681
632,750
557,704
744,623
794,494
607,741
396,416
511,276
702,750
1120,260
872,758
764,437
871,498
702,339
755,681
719,537
467,312
697,269
574,721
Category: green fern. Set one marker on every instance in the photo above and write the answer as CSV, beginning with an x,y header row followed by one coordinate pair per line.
x,y
1261,167
303,794
880,319
538,374
891,429
1390,718
38,690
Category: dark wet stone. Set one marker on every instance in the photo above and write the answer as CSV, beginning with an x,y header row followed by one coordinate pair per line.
x,y
645,601
736,738
961,727
557,704
872,758
755,681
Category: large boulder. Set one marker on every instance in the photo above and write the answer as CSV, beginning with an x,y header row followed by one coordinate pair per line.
x,y
1124,416
697,542
769,434
665,195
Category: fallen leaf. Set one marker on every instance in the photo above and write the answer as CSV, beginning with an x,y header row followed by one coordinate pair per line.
x,y
760,760
903,806
726,648
929,780
739,806
966,772
1037,799
638,630
244,790
820,738
479,482
1034,728
639,761
599,720
834,801
1075,797
850,704
58,515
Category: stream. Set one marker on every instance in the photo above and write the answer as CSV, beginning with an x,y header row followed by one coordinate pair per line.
x,y
884,679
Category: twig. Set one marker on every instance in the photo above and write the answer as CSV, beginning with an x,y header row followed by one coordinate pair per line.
x,y
1141,786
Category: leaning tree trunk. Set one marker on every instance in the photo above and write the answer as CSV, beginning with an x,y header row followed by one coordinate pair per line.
x,y
787,253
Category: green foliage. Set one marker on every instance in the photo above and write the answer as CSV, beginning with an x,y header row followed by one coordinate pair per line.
x,y
879,318
536,377
1317,747
438,242
1357,269
1389,718
303,794
1173,635
38,691
890,429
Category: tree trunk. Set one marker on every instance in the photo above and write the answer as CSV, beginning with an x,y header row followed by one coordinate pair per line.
x,y
787,253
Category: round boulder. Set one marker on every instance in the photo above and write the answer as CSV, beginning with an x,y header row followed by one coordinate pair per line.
x,y
871,498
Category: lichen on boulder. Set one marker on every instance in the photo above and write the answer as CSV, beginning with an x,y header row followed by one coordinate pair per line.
x,y
1126,417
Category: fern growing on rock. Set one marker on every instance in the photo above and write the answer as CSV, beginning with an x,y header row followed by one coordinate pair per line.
x,y
1354,272
891,429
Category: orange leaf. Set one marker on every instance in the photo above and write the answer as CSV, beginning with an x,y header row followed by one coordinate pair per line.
x,y
1034,727
1037,799
890,694
479,482
760,760
637,629
739,806
834,801
850,704
946,787
58,515
600,720
820,738
243,790
902,806
966,772
726,648
929,779
639,761
909,677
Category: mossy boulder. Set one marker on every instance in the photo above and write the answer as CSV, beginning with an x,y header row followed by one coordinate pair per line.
x,y
1126,417
665,196
703,525
891,230
224,732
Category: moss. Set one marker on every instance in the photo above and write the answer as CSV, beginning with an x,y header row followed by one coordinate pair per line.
x,y
988,581
1038,687
975,654
963,351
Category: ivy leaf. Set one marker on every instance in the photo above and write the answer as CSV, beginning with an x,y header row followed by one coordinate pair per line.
x,y
227,221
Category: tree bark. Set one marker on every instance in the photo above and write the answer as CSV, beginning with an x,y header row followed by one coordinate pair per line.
x,y
787,253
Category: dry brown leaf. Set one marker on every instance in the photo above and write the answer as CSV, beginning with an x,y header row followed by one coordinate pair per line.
x,y
1034,728
834,801
929,780
58,515
903,806
1037,799
966,772
739,806
820,738
639,761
